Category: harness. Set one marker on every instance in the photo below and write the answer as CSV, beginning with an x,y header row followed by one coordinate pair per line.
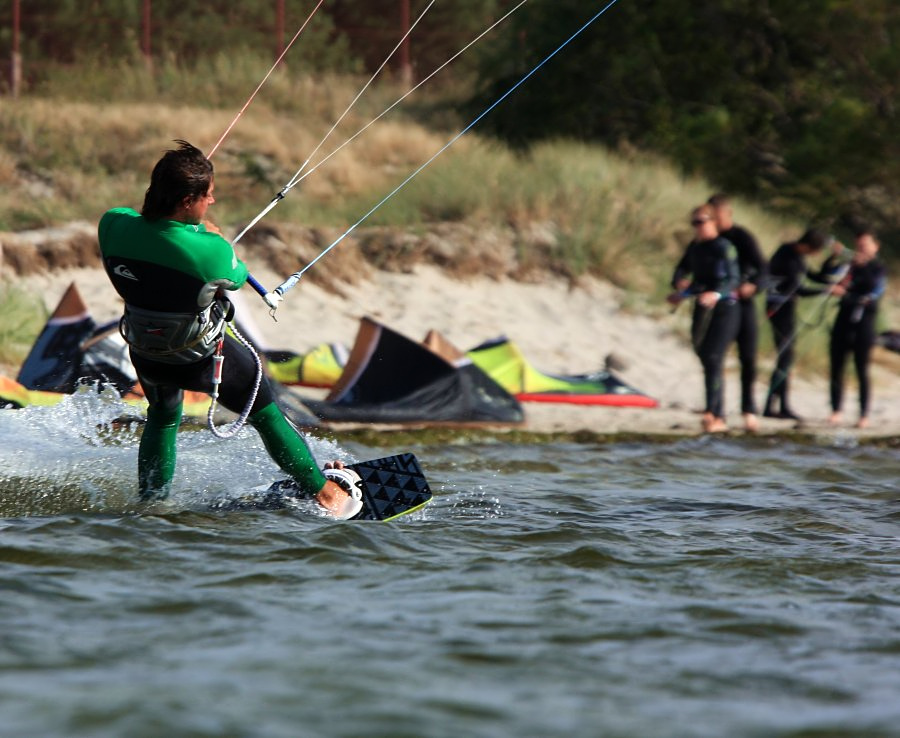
x,y
175,338
185,338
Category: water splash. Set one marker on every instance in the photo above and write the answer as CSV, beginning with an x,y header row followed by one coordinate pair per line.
x,y
81,456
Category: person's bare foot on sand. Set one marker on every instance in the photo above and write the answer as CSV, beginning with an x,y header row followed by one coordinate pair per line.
x,y
863,422
718,426
712,424
751,423
835,419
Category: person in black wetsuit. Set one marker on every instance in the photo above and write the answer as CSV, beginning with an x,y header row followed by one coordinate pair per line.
x,y
787,272
752,267
854,327
709,272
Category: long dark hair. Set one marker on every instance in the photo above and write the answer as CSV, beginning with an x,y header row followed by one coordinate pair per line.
x,y
181,173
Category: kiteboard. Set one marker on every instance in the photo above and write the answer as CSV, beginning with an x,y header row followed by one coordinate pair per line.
x,y
391,486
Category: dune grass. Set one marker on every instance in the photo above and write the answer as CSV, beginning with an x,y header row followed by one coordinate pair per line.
x,y
24,316
86,141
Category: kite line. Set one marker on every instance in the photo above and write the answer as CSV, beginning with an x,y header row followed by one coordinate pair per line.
x,y
264,80
298,180
294,180
273,298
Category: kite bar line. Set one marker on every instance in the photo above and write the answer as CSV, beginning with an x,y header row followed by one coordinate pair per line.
x,y
294,180
400,99
331,130
264,79
277,294
271,299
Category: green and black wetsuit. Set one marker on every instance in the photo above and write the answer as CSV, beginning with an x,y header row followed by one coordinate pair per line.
x,y
171,276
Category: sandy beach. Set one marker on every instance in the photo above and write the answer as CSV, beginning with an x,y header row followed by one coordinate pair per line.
x,y
560,329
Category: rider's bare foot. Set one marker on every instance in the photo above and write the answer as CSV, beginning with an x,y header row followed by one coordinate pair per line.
x,y
337,495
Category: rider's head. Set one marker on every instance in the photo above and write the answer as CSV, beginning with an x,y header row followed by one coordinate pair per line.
x,y
181,180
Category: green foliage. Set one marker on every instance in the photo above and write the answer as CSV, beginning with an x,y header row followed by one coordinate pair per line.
x,y
375,27
791,103
23,317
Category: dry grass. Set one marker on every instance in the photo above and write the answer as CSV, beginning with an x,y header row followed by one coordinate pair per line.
x,y
579,209
479,208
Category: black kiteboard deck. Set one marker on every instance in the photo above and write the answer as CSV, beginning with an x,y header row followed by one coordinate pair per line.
x,y
391,486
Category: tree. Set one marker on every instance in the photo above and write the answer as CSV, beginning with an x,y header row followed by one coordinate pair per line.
x,y
791,102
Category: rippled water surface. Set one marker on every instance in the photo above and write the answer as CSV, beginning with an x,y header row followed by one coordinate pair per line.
x,y
699,587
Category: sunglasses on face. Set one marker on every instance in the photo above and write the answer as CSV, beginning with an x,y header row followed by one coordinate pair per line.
x,y
699,221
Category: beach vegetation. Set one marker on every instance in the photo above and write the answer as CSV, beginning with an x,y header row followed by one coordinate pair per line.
x,y
24,316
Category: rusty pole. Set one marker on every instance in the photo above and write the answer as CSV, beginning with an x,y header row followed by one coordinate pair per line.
x,y
15,69
406,74
279,28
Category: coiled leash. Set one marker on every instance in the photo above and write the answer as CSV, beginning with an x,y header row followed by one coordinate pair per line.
x,y
218,360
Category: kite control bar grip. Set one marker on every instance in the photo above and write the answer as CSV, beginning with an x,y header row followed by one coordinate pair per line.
x,y
272,299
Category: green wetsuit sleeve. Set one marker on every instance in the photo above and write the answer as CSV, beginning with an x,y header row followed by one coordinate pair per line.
x,y
184,247
216,262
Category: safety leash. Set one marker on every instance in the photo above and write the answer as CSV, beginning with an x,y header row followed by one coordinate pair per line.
x,y
218,360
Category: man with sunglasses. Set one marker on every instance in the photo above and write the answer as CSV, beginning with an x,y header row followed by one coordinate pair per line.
x,y
752,267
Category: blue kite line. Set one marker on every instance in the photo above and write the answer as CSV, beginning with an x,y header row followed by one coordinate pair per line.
x,y
292,280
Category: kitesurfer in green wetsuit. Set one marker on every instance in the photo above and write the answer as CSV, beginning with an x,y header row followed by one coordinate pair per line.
x,y
171,267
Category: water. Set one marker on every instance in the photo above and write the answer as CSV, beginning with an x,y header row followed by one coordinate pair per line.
x,y
700,587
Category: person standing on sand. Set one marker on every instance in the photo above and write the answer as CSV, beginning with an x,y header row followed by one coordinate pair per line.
x,y
172,266
854,327
709,272
752,267
787,272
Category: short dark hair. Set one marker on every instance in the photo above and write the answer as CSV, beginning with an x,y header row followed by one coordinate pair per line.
x,y
816,239
718,200
181,173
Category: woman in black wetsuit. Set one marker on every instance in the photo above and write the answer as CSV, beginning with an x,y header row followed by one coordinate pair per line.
x,y
854,327
711,263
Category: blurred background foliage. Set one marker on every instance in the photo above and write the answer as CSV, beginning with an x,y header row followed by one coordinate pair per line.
x,y
789,103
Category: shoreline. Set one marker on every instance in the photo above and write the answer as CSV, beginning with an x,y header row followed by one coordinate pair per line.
x,y
561,328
